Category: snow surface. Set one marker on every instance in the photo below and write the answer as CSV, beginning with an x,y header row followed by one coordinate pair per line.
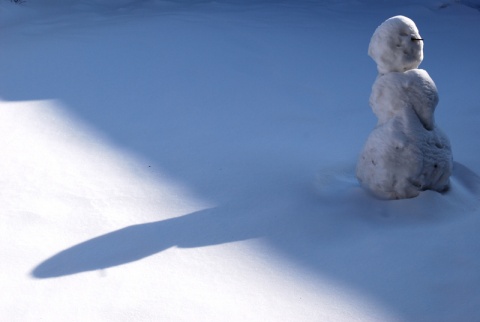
x,y
194,161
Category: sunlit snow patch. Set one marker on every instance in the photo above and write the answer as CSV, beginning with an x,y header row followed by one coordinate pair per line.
x,y
68,176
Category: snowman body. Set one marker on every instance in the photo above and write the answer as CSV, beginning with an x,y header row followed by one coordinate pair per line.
x,y
406,152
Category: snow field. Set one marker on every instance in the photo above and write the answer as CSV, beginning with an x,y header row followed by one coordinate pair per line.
x,y
173,161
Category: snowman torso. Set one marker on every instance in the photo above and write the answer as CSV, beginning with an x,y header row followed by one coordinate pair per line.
x,y
397,92
406,152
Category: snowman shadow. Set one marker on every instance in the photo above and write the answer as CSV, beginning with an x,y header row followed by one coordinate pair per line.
x,y
136,242
466,178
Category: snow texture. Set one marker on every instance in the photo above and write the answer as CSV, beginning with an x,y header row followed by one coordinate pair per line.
x,y
406,152
174,160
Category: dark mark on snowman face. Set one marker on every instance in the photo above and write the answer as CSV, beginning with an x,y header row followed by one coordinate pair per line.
x,y
416,39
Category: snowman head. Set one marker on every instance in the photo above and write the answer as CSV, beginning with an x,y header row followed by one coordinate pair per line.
x,y
396,45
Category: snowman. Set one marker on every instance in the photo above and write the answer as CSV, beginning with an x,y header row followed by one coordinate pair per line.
x,y
406,153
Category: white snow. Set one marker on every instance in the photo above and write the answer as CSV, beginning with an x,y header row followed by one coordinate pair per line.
x,y
194,161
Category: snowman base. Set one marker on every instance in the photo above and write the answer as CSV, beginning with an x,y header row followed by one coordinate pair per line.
x,y
405,164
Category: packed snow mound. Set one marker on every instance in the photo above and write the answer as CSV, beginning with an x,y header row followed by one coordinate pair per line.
x,y
410,161
396,45
406,153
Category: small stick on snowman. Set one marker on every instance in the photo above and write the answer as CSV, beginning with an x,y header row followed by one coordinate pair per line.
x,y
406,153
